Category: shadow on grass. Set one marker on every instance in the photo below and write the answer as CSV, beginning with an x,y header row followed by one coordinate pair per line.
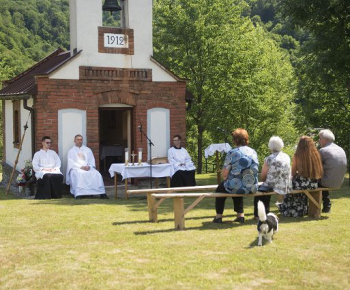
x,y
136,206
254,243
210,226
225,225
159,221
205,226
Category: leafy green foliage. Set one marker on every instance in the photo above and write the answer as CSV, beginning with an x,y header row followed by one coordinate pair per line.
x,y
30,30
323,65
237,73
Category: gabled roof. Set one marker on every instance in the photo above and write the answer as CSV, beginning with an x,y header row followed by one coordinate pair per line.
x,y
24,83
189,96
168,70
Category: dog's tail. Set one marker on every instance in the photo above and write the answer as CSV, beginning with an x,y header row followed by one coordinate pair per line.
x,y
261,211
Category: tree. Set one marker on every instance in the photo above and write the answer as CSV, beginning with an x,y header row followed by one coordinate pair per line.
x,y
238,76
5,71
258,90
30,30
324,63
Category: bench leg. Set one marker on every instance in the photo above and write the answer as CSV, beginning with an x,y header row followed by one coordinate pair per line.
x,y
115,185
315,211
179,213
152,213
126,188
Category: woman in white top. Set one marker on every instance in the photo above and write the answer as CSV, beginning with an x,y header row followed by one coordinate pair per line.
x,y
275,174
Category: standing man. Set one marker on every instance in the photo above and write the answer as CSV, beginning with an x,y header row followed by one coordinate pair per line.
x,y
183,165
46,165
81,174
334,165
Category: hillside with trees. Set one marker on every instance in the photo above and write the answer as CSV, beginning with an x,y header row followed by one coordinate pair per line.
x,y
29,31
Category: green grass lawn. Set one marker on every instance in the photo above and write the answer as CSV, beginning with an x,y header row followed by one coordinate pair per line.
x,y
109,244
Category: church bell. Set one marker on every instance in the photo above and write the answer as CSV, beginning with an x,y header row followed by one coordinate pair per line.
x,y
111,6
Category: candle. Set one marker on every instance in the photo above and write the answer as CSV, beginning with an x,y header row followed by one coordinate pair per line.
x,y
126,156
140,156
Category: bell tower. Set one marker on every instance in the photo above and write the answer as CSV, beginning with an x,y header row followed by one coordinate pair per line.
x,y
129,46
134,37
85,18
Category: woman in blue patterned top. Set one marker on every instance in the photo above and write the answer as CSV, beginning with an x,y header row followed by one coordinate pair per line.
x,y
240,174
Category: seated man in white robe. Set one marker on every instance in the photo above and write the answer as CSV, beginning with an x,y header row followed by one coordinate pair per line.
x,y
46,165
81,174
183,165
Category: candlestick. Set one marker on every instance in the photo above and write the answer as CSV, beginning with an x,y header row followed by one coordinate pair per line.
x,y
133,158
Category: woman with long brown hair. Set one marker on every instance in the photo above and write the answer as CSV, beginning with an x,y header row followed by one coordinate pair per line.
x,y
306,171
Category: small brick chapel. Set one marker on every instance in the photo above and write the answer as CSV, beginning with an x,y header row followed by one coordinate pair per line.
x,y
105,88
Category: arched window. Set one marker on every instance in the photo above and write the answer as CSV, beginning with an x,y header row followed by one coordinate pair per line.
x,y
16,123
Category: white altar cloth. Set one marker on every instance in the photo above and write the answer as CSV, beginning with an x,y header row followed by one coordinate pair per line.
x,y
221,147
158,170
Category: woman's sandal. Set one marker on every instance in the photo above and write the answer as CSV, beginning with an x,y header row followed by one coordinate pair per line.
x,y
239,220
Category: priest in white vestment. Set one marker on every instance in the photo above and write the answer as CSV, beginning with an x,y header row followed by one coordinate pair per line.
x,y
81,174
46,165
183,165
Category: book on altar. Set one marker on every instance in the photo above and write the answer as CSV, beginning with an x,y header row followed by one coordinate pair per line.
x,y
159,160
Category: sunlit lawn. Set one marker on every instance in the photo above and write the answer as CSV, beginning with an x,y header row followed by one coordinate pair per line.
x,y
109,244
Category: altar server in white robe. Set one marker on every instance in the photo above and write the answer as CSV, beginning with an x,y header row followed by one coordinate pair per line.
x,y
183,165
81,174
46,165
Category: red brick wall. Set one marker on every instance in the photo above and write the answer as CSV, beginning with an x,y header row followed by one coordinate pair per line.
x,y
88,95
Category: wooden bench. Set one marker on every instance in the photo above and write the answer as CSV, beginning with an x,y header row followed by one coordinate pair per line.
x,y
151,201
315,201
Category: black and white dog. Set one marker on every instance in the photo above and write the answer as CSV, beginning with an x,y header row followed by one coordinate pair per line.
x,y
267,225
